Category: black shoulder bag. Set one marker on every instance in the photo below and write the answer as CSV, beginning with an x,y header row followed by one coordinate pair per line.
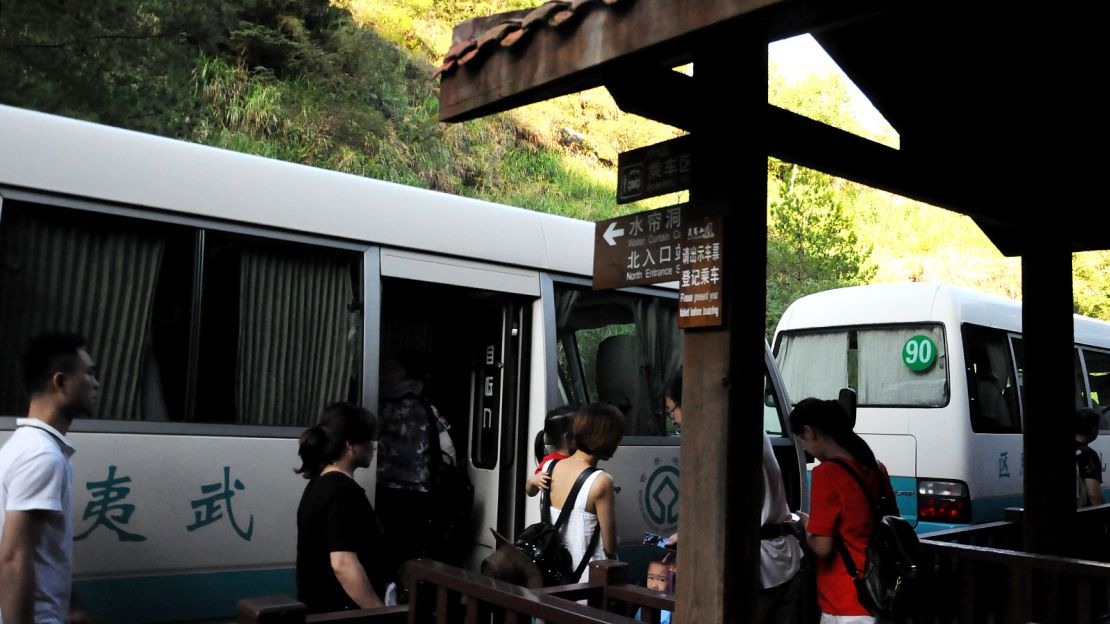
x,y
542,542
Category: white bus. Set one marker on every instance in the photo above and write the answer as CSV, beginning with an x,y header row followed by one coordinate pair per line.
x,y
228,297
938,372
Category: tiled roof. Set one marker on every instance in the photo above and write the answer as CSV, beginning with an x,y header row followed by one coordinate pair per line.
x,y
513,31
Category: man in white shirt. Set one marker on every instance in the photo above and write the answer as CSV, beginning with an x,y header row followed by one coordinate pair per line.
x,y
36,482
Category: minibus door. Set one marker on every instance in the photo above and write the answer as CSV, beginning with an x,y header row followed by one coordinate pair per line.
x,y
498,407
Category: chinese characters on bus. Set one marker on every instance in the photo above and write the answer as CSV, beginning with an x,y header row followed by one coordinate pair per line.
x,y
106,507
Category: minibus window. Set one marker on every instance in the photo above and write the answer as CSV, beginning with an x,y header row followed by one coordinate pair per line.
x,y
589,343
185,324
991,380
772,419
280,331
619,348
123,284
1098,379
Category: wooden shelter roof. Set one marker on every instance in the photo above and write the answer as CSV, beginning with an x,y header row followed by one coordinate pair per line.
x,y
982,94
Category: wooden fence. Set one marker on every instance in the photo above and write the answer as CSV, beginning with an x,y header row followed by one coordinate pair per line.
x,y
443,594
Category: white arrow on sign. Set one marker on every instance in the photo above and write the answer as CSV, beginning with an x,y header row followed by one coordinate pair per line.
x,y
611,233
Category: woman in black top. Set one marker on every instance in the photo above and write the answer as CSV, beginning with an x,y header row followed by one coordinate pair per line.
x,y
340,563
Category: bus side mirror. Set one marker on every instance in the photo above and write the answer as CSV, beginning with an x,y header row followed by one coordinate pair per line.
x,y
847,400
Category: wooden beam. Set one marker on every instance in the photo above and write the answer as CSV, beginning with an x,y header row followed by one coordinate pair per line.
x,y
656,93
662,95
721,483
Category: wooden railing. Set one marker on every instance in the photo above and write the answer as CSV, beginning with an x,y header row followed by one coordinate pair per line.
x,y
285,610
979,574
976,584
441,594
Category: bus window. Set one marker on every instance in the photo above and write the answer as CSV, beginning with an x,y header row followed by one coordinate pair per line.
x,y
186,324
100,276
280,331
814,364
991,380
772,418
1079,392
618,347
1098,380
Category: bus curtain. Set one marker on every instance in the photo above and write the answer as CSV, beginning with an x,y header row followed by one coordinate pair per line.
x,y
814,365
60,275
298,339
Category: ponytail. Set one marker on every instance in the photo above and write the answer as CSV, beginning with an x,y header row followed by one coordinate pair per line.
x,y
326,442
538,447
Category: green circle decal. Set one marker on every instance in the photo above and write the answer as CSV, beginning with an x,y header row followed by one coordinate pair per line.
x,y
919,353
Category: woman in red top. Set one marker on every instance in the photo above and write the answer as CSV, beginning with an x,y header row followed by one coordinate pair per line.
x,y
839,508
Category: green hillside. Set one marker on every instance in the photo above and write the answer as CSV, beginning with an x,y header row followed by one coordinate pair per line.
x,y
347,85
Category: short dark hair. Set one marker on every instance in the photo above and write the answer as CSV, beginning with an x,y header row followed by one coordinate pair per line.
x,y
598,429
48,353
1087,421
673,387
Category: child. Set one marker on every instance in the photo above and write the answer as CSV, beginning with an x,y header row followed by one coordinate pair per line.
x,y
556,434
660,578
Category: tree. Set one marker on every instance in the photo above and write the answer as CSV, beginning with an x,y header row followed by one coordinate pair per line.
x,y
811,244
1091,283
121,62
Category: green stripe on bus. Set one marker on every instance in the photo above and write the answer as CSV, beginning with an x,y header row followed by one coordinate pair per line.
x,y
181,597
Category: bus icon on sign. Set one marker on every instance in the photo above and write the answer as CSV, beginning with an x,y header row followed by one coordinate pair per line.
x,y
631,181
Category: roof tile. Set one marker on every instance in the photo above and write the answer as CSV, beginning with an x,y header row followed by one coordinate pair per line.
x,y
514,32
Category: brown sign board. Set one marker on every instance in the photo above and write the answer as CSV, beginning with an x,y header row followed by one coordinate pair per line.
x,y
654,170
700,302
640,248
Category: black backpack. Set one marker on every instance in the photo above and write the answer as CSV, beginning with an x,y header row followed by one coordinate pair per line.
x,y
452,494
886,584
542,542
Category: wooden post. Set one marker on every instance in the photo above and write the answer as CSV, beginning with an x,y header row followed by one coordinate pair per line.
x,y
1049,408
719,510
607,572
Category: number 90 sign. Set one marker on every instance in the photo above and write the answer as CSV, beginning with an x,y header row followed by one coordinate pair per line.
x,y
919,353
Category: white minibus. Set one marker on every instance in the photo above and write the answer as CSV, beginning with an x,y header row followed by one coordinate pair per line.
x,y
938,375
228,297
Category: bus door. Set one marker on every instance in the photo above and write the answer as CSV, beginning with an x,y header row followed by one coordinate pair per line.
x,y
470,322
499,373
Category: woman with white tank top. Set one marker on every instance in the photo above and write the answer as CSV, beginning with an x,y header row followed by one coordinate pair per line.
x,y
598,429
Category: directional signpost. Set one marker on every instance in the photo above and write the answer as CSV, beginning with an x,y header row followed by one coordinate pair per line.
x,y
654,170
641,248
663,245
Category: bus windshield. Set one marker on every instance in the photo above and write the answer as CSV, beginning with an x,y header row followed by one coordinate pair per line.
x,y
897,366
